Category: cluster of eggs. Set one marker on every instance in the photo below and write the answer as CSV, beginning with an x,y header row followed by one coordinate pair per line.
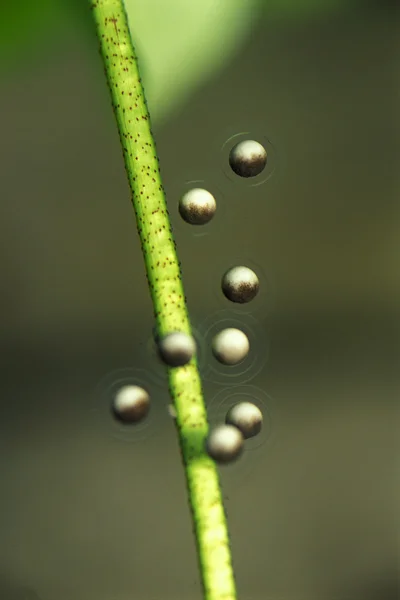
x,y
230,346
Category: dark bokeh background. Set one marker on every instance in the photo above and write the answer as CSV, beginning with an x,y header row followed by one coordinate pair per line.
x,y
90,511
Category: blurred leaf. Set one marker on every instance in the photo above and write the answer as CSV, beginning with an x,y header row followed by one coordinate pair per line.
x,y
181,43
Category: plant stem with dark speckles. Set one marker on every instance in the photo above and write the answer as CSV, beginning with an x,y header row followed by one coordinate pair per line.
x,y
165,284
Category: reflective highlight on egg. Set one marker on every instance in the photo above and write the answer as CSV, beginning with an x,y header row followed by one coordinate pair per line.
x,y
247,417
248,158
131,404
176,349
240,284
224,444
230,346
197,206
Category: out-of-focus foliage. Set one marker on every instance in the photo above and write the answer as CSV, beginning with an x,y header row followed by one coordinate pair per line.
x,y
180,43
183,43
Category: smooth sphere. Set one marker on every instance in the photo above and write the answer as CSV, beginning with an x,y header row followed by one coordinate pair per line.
x,y
248,158
197,206
230,346
177,349
240,284
247,417
131,404
224,444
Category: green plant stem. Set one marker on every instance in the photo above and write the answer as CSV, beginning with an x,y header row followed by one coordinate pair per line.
x,y
165,284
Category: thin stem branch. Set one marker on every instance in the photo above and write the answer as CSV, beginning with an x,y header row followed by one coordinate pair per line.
x,y
165,284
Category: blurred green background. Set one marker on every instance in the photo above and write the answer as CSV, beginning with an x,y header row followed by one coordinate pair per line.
x,y
90,511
